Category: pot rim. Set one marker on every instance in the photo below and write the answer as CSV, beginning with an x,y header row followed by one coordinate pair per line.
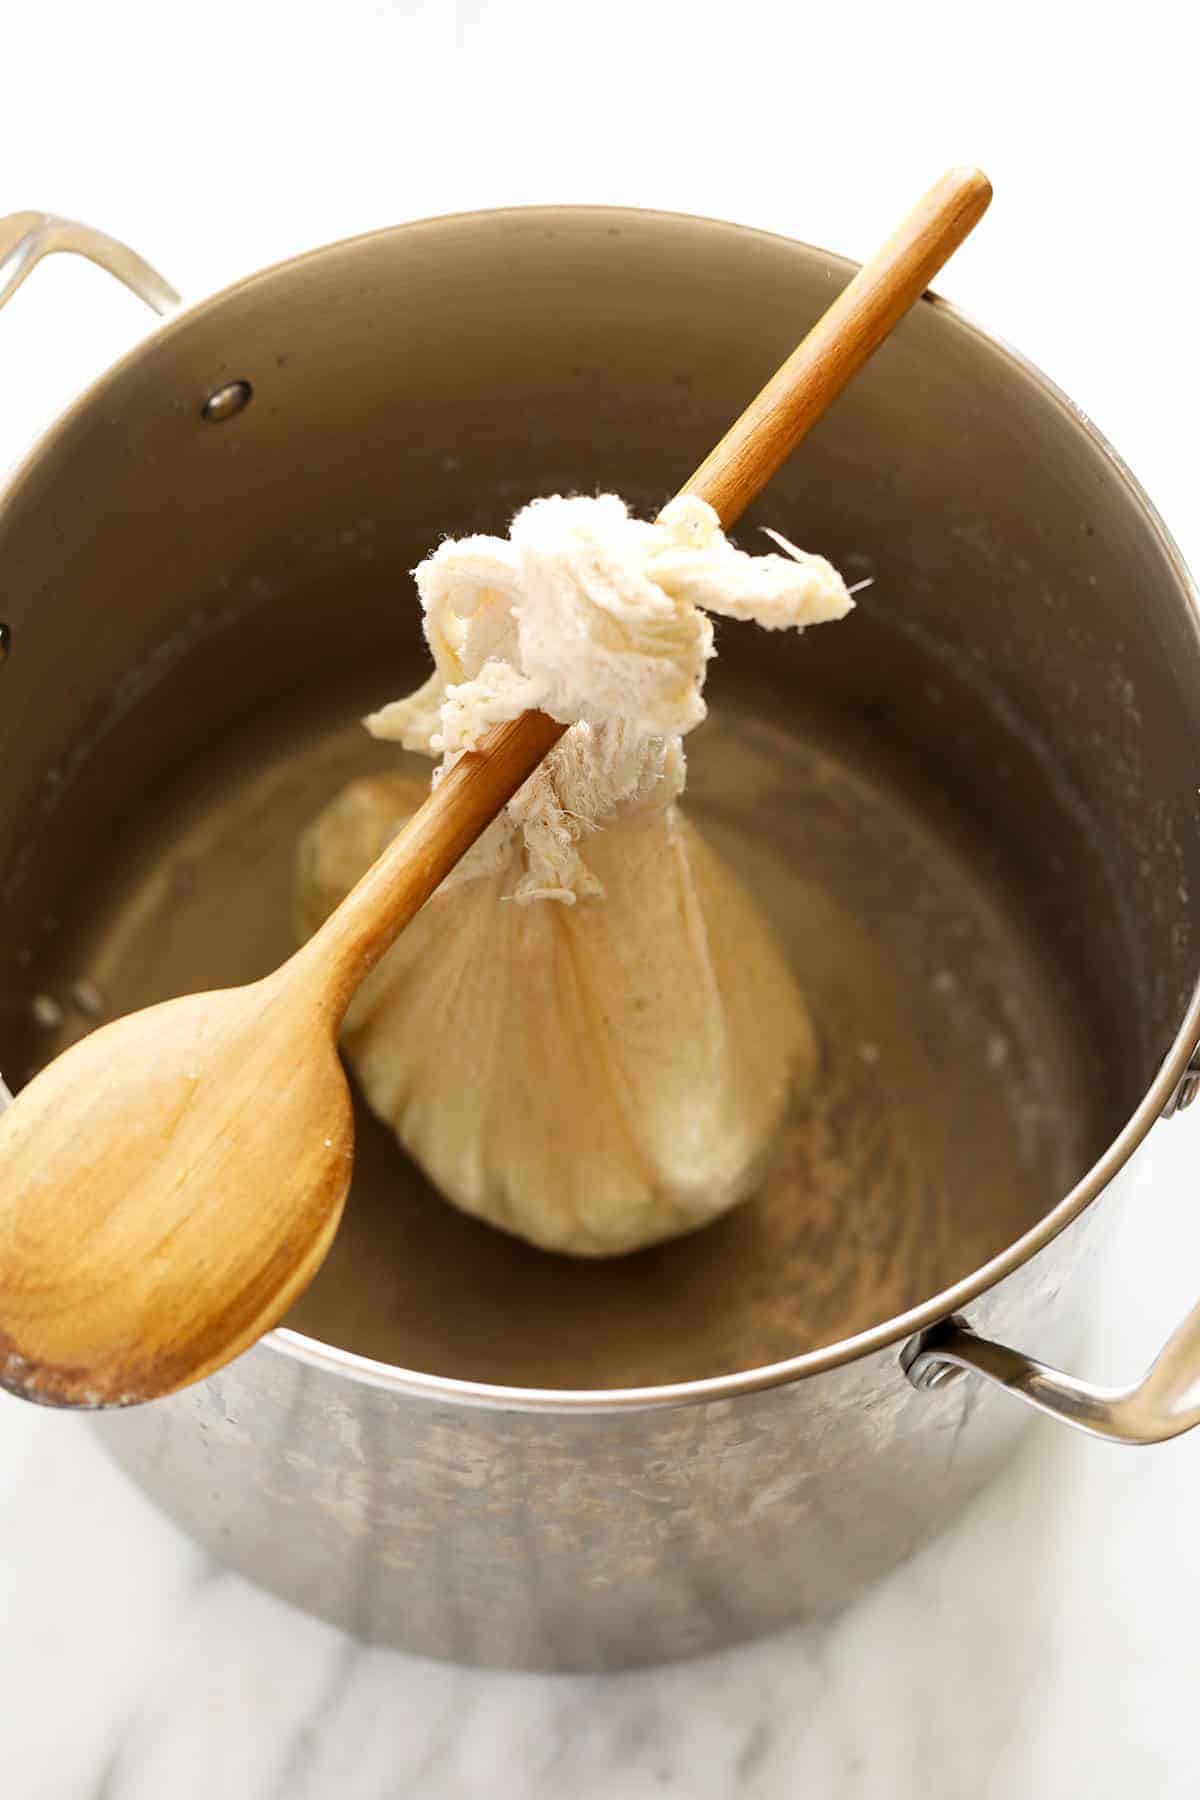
x,y
417,1384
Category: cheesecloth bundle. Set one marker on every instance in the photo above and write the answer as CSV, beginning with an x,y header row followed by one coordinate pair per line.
x,y
588,1035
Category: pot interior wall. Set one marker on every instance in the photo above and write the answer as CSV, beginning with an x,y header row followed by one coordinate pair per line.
x,y
970,810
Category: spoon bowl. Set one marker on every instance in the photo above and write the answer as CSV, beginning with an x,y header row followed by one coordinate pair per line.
x,y
130,1262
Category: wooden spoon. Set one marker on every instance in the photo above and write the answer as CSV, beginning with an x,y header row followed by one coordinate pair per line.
x,y
172,1182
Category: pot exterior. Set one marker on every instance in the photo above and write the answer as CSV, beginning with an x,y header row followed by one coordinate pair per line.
x,y
586,1541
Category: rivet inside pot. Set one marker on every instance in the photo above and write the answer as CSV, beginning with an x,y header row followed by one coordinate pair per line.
x,y
225,402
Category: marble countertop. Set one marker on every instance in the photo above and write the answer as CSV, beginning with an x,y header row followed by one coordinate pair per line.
x,y
1043,1647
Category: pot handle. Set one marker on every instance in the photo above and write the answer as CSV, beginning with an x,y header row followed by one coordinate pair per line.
x,y
1163,1404
26,237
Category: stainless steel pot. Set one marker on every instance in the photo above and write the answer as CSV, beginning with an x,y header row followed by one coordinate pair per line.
x,y
971,812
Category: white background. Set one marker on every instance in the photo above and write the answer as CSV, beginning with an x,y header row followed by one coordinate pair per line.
x,y
1046,1647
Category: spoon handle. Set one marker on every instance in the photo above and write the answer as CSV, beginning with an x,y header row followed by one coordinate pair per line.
x,y
366,924
468,797
841,341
